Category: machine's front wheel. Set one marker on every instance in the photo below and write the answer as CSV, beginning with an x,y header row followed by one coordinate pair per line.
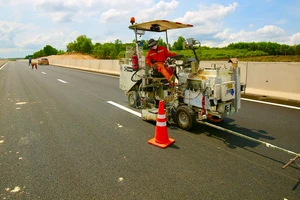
x,y
132,99
185,117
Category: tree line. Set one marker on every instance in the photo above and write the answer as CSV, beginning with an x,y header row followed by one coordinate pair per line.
x,y
115,50
271,48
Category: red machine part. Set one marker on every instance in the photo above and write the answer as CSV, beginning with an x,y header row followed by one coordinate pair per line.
x,y
135,62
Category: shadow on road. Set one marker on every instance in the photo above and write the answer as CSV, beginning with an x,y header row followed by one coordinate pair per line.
x,y
231,140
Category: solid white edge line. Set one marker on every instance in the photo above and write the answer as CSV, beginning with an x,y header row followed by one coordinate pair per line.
x,y
4,65
61,81
124,108
273,104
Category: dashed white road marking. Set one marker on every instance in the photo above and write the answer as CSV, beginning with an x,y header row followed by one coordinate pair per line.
x,y
21,103
124,108
43,72
61,81
273,104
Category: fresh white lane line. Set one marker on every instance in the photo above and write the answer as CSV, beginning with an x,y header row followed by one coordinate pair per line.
x,y
3,65
273,104
61,81
124,108
44,73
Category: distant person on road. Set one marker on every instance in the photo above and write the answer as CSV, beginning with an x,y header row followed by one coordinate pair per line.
x,y
34,64
156,57
29,60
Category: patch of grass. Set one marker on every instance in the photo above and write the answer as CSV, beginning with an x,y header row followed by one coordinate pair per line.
x,y
226,54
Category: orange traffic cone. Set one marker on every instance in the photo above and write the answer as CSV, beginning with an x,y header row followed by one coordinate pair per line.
x,y
161,138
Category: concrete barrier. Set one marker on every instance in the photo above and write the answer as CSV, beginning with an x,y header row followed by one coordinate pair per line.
x,y
276,80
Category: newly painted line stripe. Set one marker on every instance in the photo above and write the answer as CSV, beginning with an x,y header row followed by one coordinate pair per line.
x,y
273,104
61,81
124,108
4,65
44,73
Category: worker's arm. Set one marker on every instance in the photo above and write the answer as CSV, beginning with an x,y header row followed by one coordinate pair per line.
x,y
168,53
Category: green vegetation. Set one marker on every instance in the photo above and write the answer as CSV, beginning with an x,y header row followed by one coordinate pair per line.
x,y
251,51
46,51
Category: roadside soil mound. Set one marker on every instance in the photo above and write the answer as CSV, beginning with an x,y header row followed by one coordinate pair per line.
x,y
72,56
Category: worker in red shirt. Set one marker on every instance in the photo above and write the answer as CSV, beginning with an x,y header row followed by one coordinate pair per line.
x,y
156,57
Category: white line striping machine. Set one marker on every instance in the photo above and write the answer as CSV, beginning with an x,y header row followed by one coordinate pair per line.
x,y
199,93
197,96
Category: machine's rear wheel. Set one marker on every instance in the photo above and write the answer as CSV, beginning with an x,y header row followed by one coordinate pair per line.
x,y
185,117
132,99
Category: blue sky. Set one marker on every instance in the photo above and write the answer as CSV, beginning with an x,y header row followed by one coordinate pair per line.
x,y
26,26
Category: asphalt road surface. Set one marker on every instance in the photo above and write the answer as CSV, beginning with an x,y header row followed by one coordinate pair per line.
x,y
61,139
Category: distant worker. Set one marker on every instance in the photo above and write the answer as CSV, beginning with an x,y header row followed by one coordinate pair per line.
x,y
156,57
29,60
34,64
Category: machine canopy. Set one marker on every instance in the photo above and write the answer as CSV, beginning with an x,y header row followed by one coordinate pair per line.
x,y
159,26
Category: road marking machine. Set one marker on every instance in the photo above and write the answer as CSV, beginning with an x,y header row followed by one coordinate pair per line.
x,y
197,95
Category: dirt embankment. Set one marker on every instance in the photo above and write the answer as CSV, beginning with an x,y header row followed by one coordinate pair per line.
x,y
72,56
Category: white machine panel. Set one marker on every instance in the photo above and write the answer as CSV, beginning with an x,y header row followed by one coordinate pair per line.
x,y
228,91
193,98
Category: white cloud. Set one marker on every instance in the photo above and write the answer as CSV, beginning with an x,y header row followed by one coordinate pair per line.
x,y
208,14
58,5
53,37
295,39
22,36
270,31
77,10
267,33
156,11
208,19
112,15
130,4
9,30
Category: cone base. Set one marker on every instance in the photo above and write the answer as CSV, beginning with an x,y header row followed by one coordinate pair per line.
x,y
164,145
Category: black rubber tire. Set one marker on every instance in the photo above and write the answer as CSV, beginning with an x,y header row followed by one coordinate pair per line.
x,y
185,117
132,99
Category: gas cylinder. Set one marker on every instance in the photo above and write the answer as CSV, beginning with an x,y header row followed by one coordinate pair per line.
x,y
135,62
